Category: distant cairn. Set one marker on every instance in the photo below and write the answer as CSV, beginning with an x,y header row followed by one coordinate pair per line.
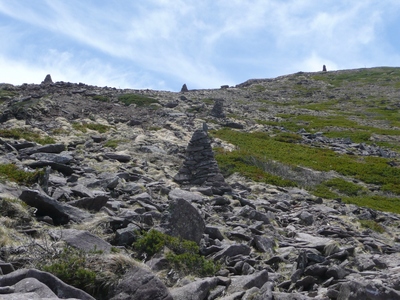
x,y
184,88
47,80
323,68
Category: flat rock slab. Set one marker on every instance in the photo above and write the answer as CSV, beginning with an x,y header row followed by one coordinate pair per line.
x,y
312,241
81,239
185,195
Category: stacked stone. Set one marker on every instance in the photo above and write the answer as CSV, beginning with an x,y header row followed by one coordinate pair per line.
x,y
218,109
200,167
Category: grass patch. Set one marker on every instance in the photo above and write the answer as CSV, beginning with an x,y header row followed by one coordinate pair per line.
x,y
184,255
26,134
386,76
92,126
370,170
13,173
371,224
114,143
101,98
137,99
6,95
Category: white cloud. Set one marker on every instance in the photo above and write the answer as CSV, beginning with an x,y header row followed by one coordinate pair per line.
x,y
201,43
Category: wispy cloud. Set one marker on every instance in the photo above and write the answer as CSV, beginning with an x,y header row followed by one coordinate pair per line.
x,y
162,43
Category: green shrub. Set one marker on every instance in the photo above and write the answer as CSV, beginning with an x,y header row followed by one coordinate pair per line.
x,y
184,255
150,242
139,100
13,173
26,134
71,267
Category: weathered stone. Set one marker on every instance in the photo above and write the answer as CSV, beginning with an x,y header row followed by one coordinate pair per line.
x,y
59,288
81,239
140,284
248,281
61,213
233,250
184,221
197,290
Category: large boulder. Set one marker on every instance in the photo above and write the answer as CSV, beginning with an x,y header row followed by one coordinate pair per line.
x,y
184,221
140,284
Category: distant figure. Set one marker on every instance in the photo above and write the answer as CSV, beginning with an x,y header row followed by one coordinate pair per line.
x,y
47,80
323,68
184,88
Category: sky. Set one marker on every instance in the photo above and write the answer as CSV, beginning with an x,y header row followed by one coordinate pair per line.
x,y
162,44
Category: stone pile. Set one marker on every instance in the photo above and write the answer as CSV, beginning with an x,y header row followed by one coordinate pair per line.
x,y
200,167
218,109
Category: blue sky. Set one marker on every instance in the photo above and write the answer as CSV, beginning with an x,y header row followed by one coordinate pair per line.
x,y
161,44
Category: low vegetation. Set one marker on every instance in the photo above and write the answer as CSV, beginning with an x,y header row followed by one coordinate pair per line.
x,y
137,99
92,126
26,134
183,255
255,150
13,173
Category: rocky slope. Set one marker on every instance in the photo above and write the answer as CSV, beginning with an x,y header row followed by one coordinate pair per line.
x,y
104,174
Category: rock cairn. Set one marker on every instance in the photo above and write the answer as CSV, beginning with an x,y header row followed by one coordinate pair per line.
x,y
218,109
47,80
323,68
200,166
184,88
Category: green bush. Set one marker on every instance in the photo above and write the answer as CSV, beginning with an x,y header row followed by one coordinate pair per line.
x,y
184,255
139,100
71,267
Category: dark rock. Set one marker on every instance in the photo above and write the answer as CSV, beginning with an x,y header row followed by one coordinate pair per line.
x,y
6,268
126,236
120,157
140,284
263,244
336,272
253,214
91,203
66,170
184,221
306,218
61,213
214,232
234,125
